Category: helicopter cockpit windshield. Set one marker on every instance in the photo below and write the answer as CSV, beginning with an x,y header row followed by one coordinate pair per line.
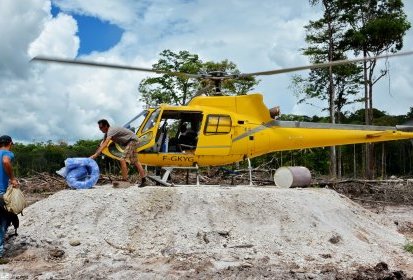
x,y
147,130
135,123
150,123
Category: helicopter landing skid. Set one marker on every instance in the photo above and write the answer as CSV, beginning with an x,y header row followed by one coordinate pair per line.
x,y
168,171
159,180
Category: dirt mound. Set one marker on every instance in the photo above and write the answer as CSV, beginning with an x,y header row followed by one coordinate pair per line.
x,y
203,232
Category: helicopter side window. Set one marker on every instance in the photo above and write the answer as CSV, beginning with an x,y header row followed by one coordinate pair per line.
x,y
151,121
218,124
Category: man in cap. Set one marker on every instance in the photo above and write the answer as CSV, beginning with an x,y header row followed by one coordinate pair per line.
x,y
6,176
124,137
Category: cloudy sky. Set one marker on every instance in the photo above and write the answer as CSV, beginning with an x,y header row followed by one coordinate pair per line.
x,y
41,102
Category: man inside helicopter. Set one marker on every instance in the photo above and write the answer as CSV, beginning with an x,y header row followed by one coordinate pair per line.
x,y
182,130
124,137
187,137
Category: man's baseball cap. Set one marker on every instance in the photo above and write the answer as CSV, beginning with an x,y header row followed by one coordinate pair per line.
x,y
5,139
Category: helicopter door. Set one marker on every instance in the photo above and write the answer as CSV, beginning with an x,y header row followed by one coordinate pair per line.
x,y
215,139
147,132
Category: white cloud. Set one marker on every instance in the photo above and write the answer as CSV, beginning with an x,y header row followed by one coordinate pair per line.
x,y
121,12
20,23
61,102
58,38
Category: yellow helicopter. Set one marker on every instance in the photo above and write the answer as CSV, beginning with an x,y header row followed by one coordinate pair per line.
x,y
221,130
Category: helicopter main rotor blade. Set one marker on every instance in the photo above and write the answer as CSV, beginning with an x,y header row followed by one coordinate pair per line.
x,y
322,65
215,75
110,65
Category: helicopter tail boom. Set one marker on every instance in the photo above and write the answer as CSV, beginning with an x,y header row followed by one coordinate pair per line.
x,y
291,135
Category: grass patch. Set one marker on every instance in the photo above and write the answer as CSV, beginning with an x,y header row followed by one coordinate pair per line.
x,y
408,247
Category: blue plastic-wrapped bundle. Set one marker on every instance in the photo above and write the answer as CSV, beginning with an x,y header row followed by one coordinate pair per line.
x,y
81,173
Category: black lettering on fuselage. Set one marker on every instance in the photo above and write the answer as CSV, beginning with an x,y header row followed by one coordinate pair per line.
x,y
178,158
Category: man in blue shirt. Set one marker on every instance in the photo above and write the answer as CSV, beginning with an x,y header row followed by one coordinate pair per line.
x,y
6,176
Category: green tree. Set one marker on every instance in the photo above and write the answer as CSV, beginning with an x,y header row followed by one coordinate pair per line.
x,y
337,85
375,27
171,89
178,89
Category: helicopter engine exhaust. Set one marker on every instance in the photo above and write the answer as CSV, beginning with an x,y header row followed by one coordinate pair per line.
x,y
275,112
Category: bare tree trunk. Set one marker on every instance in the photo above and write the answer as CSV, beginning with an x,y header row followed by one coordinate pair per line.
x,y
368,119
333,156
281,162
383,161
372,166
339,162
339,151
354,161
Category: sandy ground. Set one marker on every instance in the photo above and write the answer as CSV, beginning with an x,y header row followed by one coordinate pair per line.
x,y
205,232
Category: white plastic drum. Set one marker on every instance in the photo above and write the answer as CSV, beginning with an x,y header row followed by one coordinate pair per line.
x,y
292,176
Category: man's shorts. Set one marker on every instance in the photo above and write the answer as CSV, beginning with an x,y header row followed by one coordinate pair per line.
x,y
130,153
